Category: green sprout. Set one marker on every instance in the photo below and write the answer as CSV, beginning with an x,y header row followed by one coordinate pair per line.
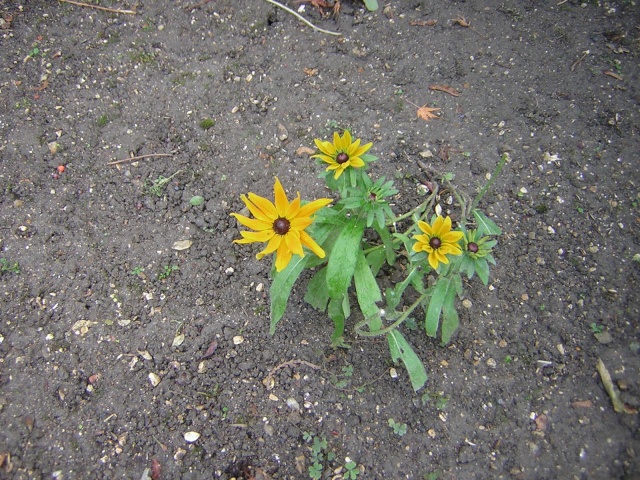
x,y
166,271
6,266
595,328
156,187
207,123
399,429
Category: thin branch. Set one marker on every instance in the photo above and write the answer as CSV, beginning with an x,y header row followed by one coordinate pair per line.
x,y
133,159
106,9
269,381
300,17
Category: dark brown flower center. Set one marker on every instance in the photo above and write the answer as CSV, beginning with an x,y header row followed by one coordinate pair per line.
x,y
473,247
342,158
281,226
435,243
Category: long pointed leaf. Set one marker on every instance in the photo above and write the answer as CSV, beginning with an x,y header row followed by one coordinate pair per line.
x,y
442,290
486,226
281,288
367,289
400,349
450,322
342,261
317,295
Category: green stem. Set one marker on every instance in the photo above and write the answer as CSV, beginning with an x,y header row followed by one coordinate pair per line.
x,y
487,185
389,328
402,287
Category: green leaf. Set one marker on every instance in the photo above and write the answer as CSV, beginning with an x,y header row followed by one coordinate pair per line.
x,y
486,226
337,314
372,5
342,260
400,349
196,200
482,269
281,288
375,259
444,288
317,295
385,236
367,289
450,321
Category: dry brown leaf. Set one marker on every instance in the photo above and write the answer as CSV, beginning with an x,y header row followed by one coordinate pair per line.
x,y
304,151
423,23
461,21
582,404
446,89
612,74
426,113
311,72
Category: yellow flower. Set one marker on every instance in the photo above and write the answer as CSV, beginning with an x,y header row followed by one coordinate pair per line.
x,y
281,225
438,241
342,153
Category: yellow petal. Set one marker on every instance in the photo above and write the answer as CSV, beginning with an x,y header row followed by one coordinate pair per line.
x,y
283,257
300,223
294,208
252,223
280,199
324,158
263,236
261,208
272,246
292,239
346,140
438,224
327,148
356,162
362,150
311,244
425,227
451,237
311,207
433,260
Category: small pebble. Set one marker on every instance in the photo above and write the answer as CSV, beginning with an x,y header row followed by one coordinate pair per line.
x,y
491,363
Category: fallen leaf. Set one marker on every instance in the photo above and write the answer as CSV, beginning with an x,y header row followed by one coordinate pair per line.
x,y
181,245
156,469
212,348
426,113
461,21
446,89
612,74
177,340
423,23
304,151
310,71
541,422
582,404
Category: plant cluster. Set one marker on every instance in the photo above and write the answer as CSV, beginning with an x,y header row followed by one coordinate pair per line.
x,y
353,243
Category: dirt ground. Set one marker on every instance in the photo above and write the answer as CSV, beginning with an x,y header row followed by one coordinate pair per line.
x,y
117,350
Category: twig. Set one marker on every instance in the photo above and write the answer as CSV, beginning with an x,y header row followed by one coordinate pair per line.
x,y
106,9
268,380
131,159
579,61
300,17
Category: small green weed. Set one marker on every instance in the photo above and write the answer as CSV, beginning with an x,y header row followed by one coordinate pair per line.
x,y
166,271
595,328
398,428
319,453
137,271
207,123
156,187
102,121
351,470
6,266
142,57
343,380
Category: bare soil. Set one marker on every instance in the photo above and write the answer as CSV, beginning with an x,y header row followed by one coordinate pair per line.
x,y
95,300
